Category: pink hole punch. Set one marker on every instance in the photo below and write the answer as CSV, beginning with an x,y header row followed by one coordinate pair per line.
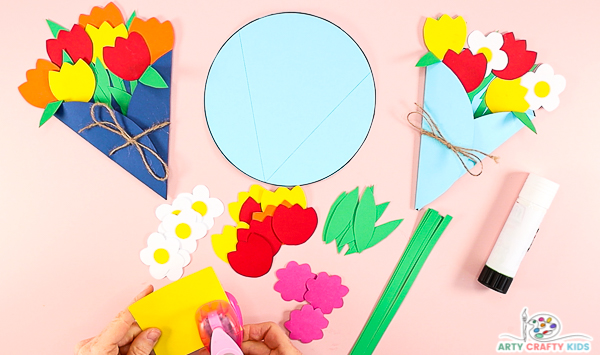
x,y
220,326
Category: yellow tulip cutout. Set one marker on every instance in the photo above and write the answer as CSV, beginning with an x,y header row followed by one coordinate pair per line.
x,y
444,34
104,36
506,96
74,82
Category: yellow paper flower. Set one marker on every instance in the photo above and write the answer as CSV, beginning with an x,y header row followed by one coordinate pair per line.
x,y
73,82
104,36
444,34
506,96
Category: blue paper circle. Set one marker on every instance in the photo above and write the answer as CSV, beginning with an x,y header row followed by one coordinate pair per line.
x,y
289,99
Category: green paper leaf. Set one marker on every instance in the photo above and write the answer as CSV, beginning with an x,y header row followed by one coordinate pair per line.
x,y
122,97
330,214
352,249
345,238
342,216
427,60
102,78
49,111
153,79
132,86
380,209
116,81
383,231
364,220
55,28
526,120
130,20
481,108
66,57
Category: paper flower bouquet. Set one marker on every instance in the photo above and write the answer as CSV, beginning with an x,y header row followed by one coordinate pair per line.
x,y
475,99
109,81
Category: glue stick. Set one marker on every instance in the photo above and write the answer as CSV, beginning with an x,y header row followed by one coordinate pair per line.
x,y
518,233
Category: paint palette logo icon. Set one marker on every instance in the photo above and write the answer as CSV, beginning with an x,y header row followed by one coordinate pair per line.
x,y
544,326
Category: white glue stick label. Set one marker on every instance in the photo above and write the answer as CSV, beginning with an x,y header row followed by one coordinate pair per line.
x,y
516,237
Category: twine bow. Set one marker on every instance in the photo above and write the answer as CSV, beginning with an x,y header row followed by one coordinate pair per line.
x,y
436,134
116,128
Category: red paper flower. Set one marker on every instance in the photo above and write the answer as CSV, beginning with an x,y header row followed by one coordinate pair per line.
x,y
520,60
293,226
129,58
469,68
252,258
76,43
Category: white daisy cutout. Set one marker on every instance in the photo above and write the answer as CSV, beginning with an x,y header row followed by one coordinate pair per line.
x,y
181,203
208,207
543,87
164,257
490,47
186,227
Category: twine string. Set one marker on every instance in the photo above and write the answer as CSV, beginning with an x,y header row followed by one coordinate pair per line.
x,y
117,129
435,133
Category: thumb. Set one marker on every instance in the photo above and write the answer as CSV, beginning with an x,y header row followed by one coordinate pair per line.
x,y
144,342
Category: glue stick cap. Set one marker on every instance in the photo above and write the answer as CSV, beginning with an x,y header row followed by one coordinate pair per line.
x,y
539,191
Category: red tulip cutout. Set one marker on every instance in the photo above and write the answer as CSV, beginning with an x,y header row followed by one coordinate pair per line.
x,y
252,258
293,226
265,230
129,58
76,43
520,60
248,208
469,68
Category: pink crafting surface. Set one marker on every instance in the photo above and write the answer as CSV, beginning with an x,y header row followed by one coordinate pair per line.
x,y
74,222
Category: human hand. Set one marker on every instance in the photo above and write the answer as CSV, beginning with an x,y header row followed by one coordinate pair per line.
x,y
267,339
122,336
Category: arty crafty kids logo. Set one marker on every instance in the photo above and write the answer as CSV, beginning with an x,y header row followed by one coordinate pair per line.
x,y
541,333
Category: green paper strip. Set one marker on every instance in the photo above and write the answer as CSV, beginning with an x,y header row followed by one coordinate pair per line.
x,y
330,214
132,86
380,209
116,81
420,245
427,60
122,98
66,57
130,20
153,79
55,28
383,231
481,108
352,249
410,278
364,219
342,216
486,81
347,237
526,120
49,111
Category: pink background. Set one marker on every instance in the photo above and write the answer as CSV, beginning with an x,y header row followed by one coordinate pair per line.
x,y
74,222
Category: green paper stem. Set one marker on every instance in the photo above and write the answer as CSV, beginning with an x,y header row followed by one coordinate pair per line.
x,y
49,111
66,57
122,98
116,81
486,81
130,20
427,60
132,86
55,28
481,108
420,245
526,120
153,79
347,237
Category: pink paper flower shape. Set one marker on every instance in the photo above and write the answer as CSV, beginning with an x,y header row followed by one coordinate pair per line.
x,y
306,324
325,292
292,281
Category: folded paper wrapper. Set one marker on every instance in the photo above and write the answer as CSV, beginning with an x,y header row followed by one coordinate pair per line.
x,y
148,106
447,103
289,99
172,309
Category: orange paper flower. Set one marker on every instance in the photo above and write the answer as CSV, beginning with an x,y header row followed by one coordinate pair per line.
x,y
110,13
159,36
36,90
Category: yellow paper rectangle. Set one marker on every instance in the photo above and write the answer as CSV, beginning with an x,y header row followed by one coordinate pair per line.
x,y
172,309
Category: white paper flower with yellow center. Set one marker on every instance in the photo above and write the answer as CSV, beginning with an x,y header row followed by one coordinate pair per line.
x,y
199,201
543,88
489,45
164,257
186,227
